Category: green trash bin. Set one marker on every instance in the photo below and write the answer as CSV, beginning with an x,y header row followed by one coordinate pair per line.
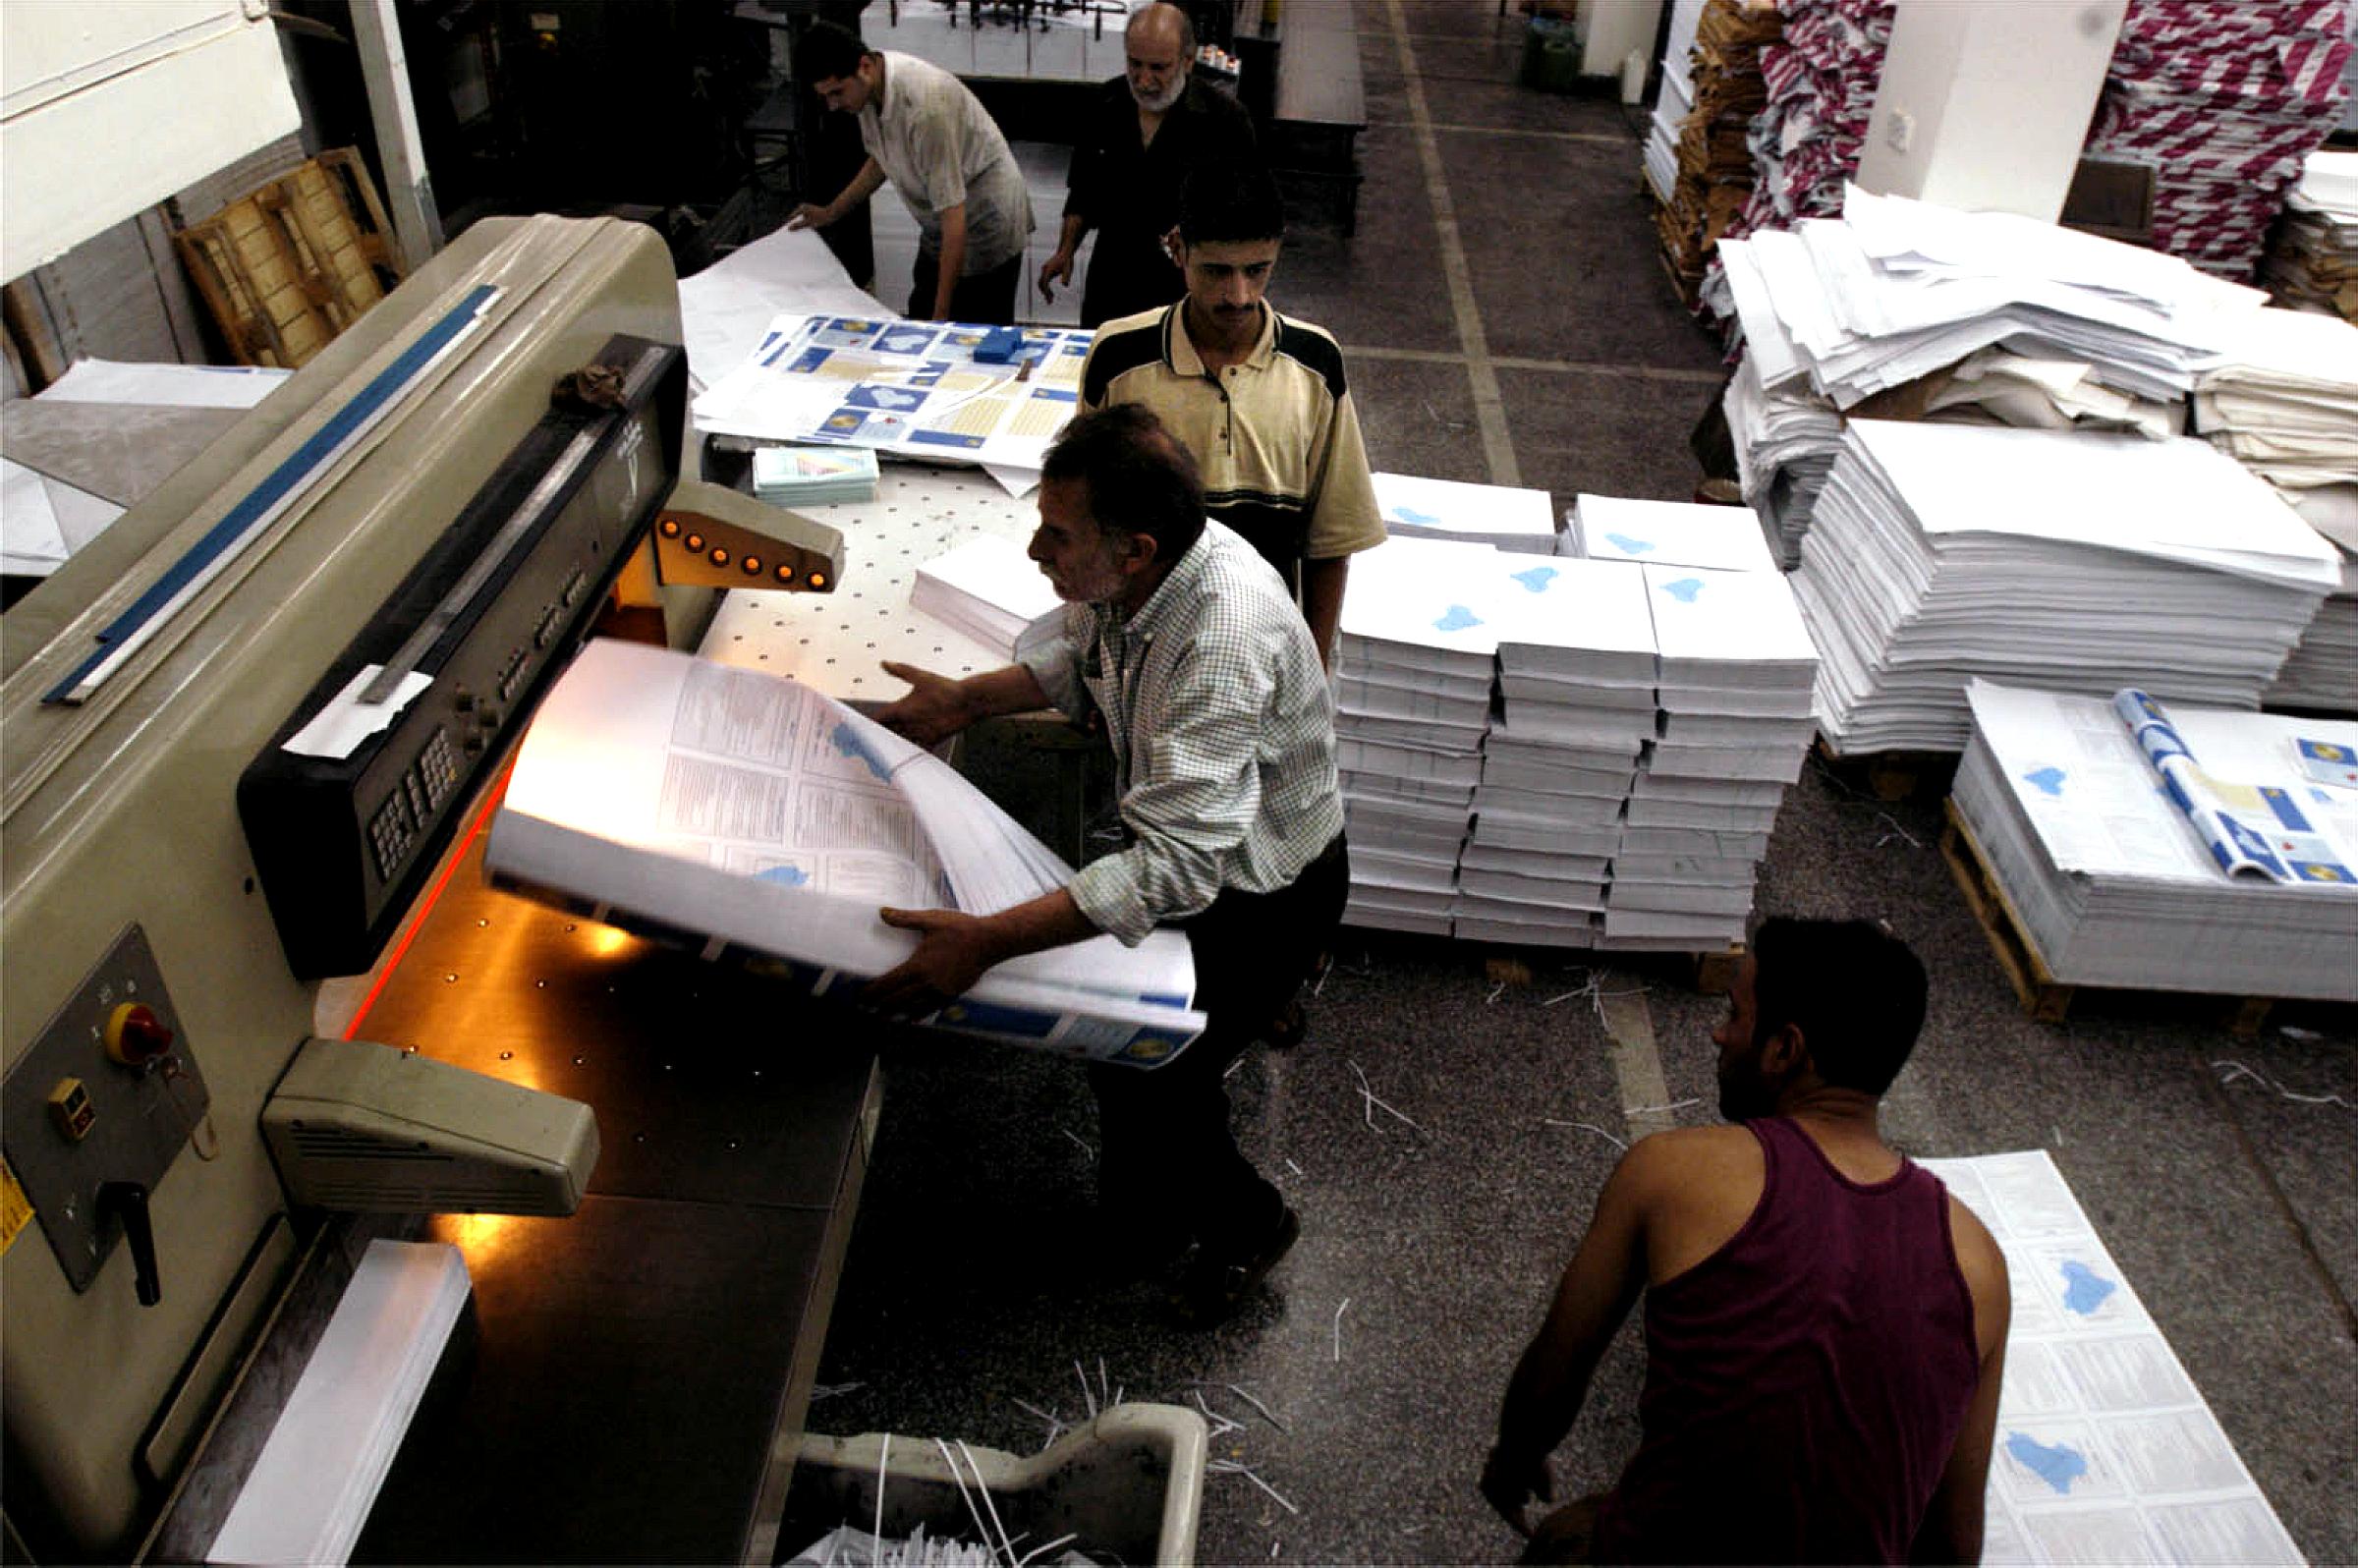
x,y
1550,55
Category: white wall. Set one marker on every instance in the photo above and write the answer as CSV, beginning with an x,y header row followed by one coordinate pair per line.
x,y
109,106
1985,106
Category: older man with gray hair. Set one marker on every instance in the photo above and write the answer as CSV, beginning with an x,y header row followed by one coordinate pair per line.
x,y
1148,130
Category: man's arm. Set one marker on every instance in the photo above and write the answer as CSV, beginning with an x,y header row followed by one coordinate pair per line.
x,y
1952,1531
953,949
1598,1287
1058,268
810,215
1323,583
953,260
936,707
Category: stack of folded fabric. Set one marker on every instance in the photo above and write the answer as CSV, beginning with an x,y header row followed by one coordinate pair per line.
x,y
2312,262
1577,703
1413,699
987,589
2059,559
1507,517
2224,102
813,476
1712,173
2113,879
1734,679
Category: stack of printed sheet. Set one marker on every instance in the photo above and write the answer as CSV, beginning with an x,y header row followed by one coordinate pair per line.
x,y
1609,528
2223,103
753,819
987,588
2321,674
2169,847
2313,264
1708,99
1734,681
2070,561
1674,102
1576,669
1502,514
1413,699
2284,402
813,476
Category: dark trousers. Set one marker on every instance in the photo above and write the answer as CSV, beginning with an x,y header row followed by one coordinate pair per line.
x,y
987,298
1169,1160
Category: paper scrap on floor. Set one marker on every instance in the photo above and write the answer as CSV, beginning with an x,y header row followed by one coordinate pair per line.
x,y
2105,1450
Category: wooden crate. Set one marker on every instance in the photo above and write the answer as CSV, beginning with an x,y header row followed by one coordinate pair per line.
x,y
2043,996
293,262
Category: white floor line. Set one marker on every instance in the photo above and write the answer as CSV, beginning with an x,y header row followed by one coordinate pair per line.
x,y
1489,409
1508,361
1605,137
1637,1065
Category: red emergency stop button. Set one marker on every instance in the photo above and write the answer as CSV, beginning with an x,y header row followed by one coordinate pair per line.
x,y
134,1036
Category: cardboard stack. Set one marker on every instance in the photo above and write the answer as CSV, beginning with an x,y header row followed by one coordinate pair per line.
x,y
2059,559
1412,702
2312,262
1734,679
2224,102
1696,158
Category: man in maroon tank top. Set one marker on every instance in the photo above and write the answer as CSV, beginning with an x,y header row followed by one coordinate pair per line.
x,y
1824,1324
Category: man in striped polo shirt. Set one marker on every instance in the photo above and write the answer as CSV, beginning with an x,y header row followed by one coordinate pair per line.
x,y
1258,398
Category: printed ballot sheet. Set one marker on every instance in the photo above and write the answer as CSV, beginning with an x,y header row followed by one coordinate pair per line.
x,y
753,818
2105,1450
911,388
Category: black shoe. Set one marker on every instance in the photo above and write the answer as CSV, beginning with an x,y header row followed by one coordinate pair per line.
x,y
1284,1032
1124,1248
1218,1281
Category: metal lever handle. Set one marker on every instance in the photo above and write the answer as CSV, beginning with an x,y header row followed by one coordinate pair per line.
x,y
130,1200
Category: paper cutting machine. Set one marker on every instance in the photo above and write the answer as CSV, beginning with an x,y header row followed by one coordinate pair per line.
x,y
246,733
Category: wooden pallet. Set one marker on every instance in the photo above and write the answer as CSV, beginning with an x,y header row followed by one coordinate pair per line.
x,y
2043,996
293,262
1893,775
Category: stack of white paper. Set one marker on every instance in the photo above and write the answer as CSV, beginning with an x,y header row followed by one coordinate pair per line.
x,y
813,476
987,589
2284,403
1734,682
1474,514
2321,674
319,1472
2056,559
1674,102
1413,699
1610,528
2111,879
1576,681
2313,264
756,821
1784,443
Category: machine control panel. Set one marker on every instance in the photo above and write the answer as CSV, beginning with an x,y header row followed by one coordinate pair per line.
x,y
98,1109
344,844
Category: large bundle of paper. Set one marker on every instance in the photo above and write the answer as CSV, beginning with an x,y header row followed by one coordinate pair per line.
x,y
2321,674
2059,559
2284,403
1696,155
2312,262
1510,518
987,589
2224,102
2179,849
1734,677
813,476
1576,708
1610,528
756,821
1675,101
1412,680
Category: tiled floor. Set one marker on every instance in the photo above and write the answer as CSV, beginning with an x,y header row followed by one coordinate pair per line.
x,y
1428,1251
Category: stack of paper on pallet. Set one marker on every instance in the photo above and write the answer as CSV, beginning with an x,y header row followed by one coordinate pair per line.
x,y
987,589
2213,855
813,476
1610,528
2052,558
2320,673
1576,680
754,820
1502,514
1413,699
2313,264
310,1490
2224,102
1733,679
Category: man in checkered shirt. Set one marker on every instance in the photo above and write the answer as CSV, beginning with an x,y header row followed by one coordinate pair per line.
x,y
1186,643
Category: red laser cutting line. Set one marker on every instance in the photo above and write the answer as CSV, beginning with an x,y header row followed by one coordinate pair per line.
x,y
498,793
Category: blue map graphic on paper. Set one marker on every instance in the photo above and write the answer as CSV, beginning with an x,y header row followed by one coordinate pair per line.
x,y
883,397
2084,1289
1684,589
785,877
848,742
1627,545
1457,619
2050,780
1409,513
906,342
2317,794
2058,1465
1536,579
